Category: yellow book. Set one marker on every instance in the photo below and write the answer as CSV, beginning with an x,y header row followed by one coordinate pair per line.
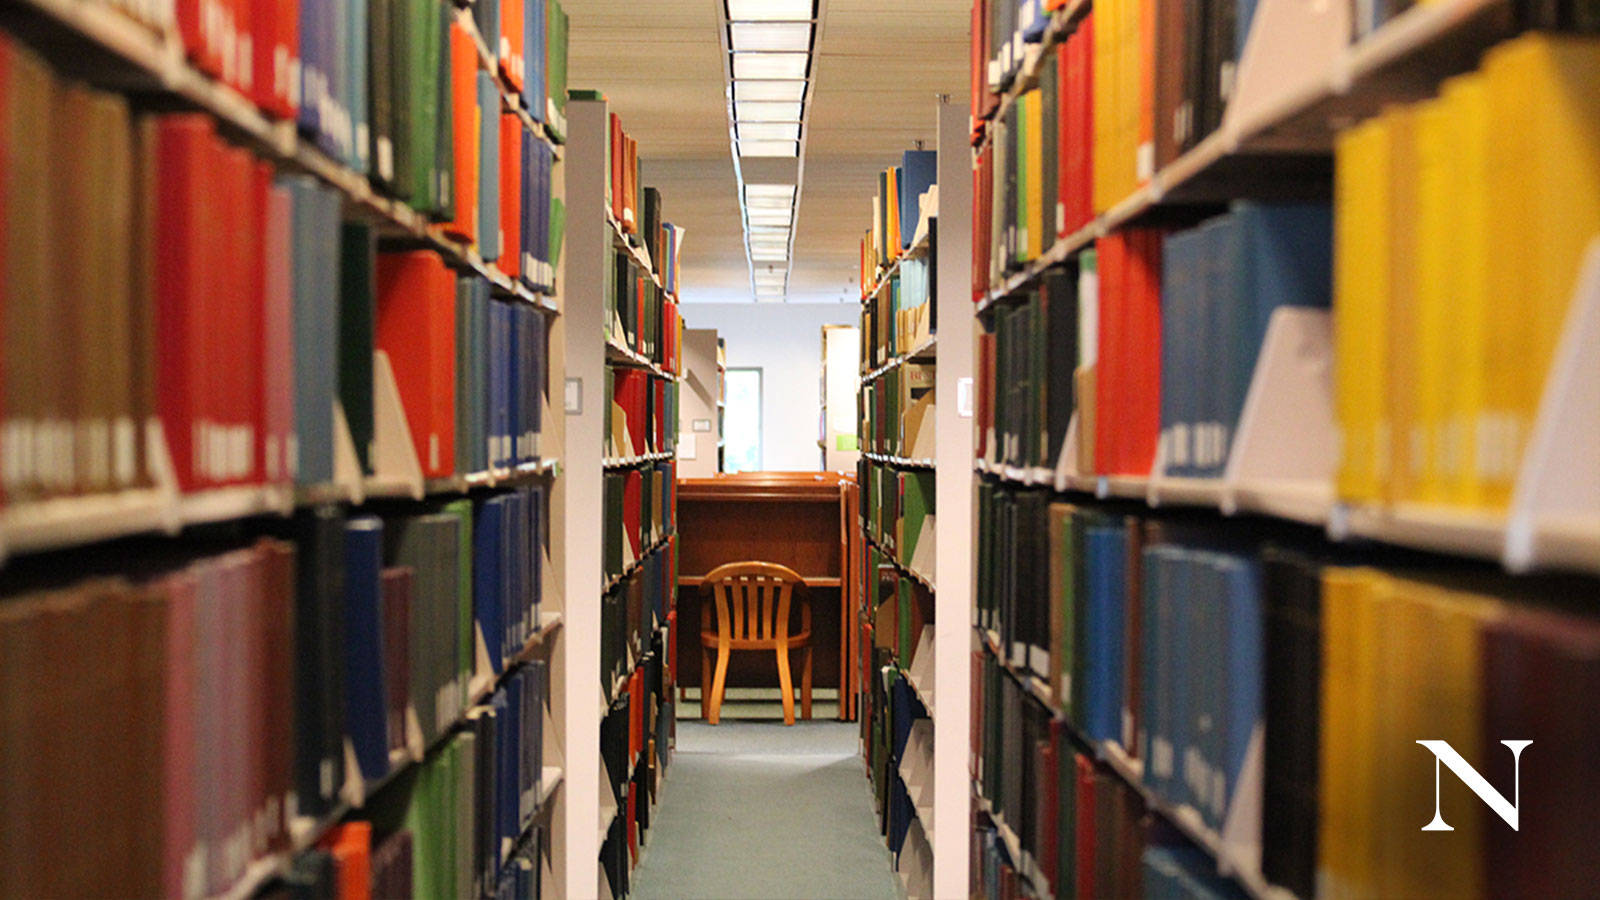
x,y
1033,113
1104,121
1338,824
1545,196
1129,77
1401,329
1396,637
1434,259
1361,292
1467,107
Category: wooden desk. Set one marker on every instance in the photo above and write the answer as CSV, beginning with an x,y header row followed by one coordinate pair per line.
x,y
803,520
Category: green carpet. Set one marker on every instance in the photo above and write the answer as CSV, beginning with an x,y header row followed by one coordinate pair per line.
x,y
756,810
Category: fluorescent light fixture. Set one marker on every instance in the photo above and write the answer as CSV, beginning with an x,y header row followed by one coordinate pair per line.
x,y
769,230
769,217
769,10
769,148
771,279
769,131
778,66
769,243
765,255
752,191
791,37
768,203
792,91
748,111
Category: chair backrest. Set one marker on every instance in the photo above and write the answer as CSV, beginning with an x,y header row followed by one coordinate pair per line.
x,y
753,600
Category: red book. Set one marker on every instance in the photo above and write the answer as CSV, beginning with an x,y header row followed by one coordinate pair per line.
x,y
183,157
1084,830
1085,50
982,224
1046,806
351,846
630,185
986,389
1070,145
5,116
979,62
278,673
1128,377
464,132
395,585
635,715
512,65
241,317
632,822
632,511
617,156
510,187
672,642
276,331
416,328
658,410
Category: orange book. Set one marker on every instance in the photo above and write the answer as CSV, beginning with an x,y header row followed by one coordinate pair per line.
x,y
416,328
351,847
630,185
512,66
618,155
464,132
510,194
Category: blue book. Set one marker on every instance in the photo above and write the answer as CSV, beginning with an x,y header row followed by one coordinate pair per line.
x,y
506,711
308,115
517,571
538,543
539,686
488,578
315,274
533,56
334,134
500,381
1242,718
486,15
1033,19
1182,691
1107,546
356,85
919,170
363,640
525,268
516,374
1211,348
488,159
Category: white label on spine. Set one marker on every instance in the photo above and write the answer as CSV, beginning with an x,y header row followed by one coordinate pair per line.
x,y
126,440
385,158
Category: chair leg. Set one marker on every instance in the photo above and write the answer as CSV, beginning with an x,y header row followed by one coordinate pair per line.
x,y
786,685
805,684
705,683
717,685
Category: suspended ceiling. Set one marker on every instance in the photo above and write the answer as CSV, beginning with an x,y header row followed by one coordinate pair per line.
x,y
878,68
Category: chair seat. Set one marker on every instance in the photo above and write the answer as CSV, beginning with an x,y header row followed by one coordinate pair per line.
x,y
799,639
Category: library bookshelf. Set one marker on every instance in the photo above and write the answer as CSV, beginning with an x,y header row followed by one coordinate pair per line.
x,y
166,524
1114,310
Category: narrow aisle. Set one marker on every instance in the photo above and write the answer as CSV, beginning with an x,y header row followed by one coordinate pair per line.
x,y
756,810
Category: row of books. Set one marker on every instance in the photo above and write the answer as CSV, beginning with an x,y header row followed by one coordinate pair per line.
x,y
635,741
1442,207
178,214
633,609
1033,179
1125,91
471,370
641,414
898,209
1149,340
637,209
899,314
890,712
1234,669
345,70
353,632
641,316
460,824
897,412
900,610
640,512
1083,828
897,511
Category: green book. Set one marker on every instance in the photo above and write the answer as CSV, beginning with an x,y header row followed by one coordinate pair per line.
x,y
402,55
464,757
905,641
420,99
381,90
1023,135
357,263
558,229
1050,212
556,68
463,656
444,157
916,502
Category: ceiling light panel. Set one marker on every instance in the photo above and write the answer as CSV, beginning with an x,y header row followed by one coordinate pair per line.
x,y
778,66
764,255
769,10
769,148
791,91
791,37
768,217
747,111
769,131
752,191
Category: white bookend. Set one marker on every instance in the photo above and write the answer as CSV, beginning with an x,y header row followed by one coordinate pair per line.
x,y
1289,57
1286,448
1555,508
396,468
346,462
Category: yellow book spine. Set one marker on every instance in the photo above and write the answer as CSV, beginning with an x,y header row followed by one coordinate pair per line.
x,y
1361,288
1103,111
1466,104
1335,826
1401,310
1035,206
1433,297
1128,78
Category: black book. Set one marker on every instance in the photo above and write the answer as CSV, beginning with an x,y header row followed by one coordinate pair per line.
x,y
381,57
1292,681
1060,302
357,264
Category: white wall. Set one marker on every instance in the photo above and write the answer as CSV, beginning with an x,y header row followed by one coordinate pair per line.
x,y
784,340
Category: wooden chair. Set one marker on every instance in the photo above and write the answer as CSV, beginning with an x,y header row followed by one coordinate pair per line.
x,y
752,613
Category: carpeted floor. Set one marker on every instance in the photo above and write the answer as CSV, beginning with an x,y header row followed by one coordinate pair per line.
x,y
757,810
